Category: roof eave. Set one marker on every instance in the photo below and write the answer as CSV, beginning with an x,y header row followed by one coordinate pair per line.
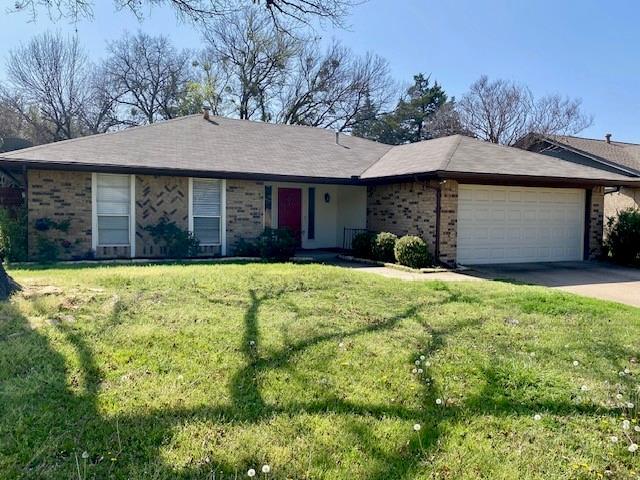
x,y
141,170
535,180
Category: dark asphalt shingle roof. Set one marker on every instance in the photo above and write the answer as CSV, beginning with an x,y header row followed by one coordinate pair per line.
x,y
224,145
624,154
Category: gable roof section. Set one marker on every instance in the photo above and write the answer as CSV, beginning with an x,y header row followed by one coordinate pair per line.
x,y
220,145
460,156
625,155
238,148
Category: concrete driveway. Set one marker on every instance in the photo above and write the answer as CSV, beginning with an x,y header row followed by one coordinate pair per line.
x,y
591,279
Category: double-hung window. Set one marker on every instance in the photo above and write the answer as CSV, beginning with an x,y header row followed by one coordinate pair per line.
x,y
206,211
113,209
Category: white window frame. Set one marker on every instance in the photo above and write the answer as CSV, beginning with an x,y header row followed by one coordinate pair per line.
x,y
132,214
223,214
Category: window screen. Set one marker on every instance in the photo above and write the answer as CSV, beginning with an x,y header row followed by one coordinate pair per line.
x,y
113,203
207,210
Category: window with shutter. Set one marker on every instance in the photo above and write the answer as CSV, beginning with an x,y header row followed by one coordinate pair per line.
x,y
207,210
113,209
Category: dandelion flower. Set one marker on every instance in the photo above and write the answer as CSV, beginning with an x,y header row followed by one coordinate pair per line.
x,y
85,454
621,373
576,363
252,343
341,344
438,401
415,370
636,428
633,447
422,357
626,370
626,425
417,362
619,396
266,469
537,417
584,388
417,427
630,405
613,439
251,472
420,371
427,364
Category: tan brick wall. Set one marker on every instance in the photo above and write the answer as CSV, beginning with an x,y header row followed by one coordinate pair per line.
x,y
622,200
157,197
449,222
596,223
409,208
60,196
245,211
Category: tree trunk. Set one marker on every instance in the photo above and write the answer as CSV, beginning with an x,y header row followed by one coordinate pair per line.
x,y
7,284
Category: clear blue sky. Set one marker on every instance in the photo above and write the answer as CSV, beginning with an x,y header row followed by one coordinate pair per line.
x,y
588,49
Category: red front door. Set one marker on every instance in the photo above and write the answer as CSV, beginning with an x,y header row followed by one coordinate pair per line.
x,y
290,210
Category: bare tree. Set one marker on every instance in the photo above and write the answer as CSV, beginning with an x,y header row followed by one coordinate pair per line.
x,y
332,89
199,11
146,75
100,112
254,56
502,112
49,75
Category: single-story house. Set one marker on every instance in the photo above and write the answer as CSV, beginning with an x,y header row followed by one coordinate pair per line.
x,y
612,156
226,180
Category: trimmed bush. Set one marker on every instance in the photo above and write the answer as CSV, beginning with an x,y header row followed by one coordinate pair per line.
x,y
276,244
412,252
362,245
384,245
13,234
623,237
179,243
246,248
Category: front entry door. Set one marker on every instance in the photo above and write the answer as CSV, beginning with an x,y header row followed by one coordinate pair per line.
x,y
290,211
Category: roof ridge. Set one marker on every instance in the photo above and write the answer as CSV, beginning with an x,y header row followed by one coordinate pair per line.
x,y
602,140
87,137
451,152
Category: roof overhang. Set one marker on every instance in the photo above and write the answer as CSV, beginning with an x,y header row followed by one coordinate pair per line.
x,y
140,170
505,179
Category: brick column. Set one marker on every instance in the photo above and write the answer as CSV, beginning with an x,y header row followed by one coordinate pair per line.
x,y
449,222
595,227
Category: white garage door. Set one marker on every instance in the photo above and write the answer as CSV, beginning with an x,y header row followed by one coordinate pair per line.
x,y
519,224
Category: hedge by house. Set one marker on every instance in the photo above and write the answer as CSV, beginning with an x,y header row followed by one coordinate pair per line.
x,y
623,236
413,252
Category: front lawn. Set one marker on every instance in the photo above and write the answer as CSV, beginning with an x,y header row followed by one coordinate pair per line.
x,y
186,370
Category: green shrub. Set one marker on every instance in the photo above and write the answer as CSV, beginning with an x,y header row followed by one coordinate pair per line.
x,y
623,236
47,250
246,248
276,244
412,252
384,245
13,234
178,243
362,245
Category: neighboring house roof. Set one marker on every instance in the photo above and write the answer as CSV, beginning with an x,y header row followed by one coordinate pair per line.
x,y
239,148
625,155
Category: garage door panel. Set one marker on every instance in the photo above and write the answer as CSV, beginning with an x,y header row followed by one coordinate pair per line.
x,y
519,224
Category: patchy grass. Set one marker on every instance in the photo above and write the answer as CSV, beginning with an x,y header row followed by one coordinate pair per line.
x,y
185,370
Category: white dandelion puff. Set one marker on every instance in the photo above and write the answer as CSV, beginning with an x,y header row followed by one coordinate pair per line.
x,y
420,370
415,370
85,454
584,388
626,425
438,401
627,371
576,363
537,417
422,357
417,427
251,473
266,469
417,362
633,447
619,396
613,439
630,405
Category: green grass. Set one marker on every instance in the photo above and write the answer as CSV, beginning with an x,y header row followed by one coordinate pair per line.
x,y
184,370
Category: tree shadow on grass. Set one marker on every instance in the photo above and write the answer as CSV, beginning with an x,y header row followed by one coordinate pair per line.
x,y
49,419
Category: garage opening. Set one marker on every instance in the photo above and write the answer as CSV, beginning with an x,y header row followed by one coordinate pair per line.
x,y
519,224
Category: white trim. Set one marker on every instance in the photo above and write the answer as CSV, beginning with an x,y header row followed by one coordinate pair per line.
x,y
223,214
132,217
223,218
94,211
